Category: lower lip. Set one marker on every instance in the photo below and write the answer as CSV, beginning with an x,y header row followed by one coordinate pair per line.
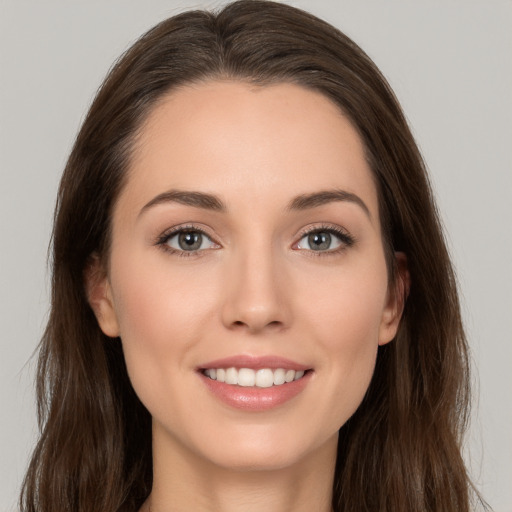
x,y
253,398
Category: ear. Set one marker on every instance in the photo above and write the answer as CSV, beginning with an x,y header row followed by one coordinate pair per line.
x,y
397,295
99,296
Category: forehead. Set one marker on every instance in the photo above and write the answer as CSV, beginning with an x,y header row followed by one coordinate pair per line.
x,y
245,142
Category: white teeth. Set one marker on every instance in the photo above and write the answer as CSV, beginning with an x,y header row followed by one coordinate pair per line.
x,y
231,376
289,376
264,378
247,377
212,373
279,376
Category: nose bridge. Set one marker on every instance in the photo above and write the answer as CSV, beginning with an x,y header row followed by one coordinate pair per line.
x,y
254,298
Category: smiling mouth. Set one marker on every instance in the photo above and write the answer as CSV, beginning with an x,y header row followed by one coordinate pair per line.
x,y
247,377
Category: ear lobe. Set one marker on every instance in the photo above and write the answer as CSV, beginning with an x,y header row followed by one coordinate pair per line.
x,y
99,296
397,296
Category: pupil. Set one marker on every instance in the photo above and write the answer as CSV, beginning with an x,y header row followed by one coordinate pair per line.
x,y
190,241
319,241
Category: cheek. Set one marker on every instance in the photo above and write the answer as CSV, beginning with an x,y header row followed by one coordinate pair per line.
x,y
347,306
345,319
155,298
161,315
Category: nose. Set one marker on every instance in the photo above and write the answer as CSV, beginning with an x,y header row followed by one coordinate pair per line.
x,y
255,293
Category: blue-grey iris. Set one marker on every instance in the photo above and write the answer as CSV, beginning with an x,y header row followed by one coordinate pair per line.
x,y
190,240
319,241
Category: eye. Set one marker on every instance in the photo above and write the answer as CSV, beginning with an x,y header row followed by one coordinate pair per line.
x,y
324,240
187,240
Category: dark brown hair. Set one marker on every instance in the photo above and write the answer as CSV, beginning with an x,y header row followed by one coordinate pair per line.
x,y
400,452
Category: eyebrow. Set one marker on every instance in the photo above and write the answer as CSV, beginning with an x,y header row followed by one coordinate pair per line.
x,y
188,198
214,203
306,201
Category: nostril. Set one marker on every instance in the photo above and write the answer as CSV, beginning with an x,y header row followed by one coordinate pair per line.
x,y
257,326
276,324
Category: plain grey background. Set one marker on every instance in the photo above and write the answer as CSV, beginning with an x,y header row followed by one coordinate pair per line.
x,y
450,65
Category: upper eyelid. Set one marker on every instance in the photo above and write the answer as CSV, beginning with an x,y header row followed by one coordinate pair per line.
x,y
168,233
334,228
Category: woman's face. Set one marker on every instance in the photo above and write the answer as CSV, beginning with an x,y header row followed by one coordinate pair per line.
x,y
247,247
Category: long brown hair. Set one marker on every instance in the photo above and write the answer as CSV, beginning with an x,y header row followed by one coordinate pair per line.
x,y
400,451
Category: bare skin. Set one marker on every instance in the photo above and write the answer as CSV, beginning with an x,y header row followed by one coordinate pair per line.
x,y
302,487
275,272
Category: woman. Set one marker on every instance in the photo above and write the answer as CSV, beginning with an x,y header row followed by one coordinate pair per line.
x,y
252,306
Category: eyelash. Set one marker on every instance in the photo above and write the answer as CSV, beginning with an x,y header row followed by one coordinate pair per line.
x,y
167,235
346,239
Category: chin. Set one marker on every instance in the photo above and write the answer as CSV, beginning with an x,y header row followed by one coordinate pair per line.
x,y
264,449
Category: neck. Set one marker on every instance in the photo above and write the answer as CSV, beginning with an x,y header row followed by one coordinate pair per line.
x,y
183,481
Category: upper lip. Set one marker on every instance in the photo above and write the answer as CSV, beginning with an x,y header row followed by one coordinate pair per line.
x,y
255,362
